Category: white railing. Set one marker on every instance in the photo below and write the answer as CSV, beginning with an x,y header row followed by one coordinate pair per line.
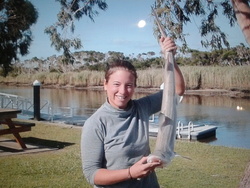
x,y
47,110
24,104
181,127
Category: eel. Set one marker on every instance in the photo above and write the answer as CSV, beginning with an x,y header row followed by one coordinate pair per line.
x,y
165,141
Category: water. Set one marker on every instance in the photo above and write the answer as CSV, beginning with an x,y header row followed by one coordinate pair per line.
x,y
231,115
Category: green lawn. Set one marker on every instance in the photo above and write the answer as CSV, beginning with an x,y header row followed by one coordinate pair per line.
x,y
211,166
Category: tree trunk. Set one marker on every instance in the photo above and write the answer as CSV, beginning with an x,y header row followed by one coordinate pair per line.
x,y
242,12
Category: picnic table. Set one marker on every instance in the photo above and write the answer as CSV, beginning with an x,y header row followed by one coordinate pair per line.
x,y
13,127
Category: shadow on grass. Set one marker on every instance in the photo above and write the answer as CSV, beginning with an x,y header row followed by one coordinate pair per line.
x,y
47,143
8,149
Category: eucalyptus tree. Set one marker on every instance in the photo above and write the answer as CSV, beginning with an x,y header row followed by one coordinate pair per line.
x,y
61,32
16,18
242,12
175,14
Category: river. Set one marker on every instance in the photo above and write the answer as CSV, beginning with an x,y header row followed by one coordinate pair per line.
x,y
231,115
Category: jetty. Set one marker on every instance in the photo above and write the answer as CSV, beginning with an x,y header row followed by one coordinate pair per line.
x,y
189,131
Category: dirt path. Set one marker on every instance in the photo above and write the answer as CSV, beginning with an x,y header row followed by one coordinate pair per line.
x,y
245,181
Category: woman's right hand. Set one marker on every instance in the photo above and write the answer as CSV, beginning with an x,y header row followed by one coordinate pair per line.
x,y
167,44
141,168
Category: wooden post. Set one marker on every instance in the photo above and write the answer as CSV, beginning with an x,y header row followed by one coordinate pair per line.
x,y
36,89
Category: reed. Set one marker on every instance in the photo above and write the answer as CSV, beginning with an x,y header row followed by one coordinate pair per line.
x,y
20,79
240,78
196,77
39,76
82,79
228,78
96,78
150,78
52,78
66,79
192,76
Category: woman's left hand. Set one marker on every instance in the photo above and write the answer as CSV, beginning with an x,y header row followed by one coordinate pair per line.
x,y
142,168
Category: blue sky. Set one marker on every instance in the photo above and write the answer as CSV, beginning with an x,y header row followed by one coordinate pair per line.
x,y
113,30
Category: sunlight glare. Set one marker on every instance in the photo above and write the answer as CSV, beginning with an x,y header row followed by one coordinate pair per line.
x,y
141,23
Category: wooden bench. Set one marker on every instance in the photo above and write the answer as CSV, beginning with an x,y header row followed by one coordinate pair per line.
x,y
23,124
19,126
6,117
15,127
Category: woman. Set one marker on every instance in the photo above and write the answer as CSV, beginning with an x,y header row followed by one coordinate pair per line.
x,y
115,139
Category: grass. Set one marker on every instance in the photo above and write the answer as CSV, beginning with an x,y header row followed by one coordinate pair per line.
x,y
211,166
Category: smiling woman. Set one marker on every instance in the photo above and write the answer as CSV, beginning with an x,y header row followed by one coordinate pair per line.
x,y
141,23
122,124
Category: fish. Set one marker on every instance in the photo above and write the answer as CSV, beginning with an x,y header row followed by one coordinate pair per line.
x,y
165,141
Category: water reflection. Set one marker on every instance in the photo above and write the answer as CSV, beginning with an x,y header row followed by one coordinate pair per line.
x,y
223,101
233,124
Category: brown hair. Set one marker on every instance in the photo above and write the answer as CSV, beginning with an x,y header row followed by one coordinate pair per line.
x,y
119,64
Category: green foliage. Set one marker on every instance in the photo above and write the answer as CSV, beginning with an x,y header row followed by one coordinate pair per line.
x,y
238,55
175,14
16,18
96,67
228,55
71,10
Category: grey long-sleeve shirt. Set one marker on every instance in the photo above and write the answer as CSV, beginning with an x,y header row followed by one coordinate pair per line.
x,y
116,139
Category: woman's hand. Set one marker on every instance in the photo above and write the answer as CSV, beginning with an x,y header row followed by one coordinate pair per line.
x,y
167,45
142,168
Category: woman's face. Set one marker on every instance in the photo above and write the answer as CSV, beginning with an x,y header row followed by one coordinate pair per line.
x,y
120,88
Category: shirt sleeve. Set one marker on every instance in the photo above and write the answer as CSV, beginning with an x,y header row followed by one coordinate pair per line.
x,y
152,102
92,149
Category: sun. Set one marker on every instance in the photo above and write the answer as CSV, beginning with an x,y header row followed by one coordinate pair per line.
x,y
141,23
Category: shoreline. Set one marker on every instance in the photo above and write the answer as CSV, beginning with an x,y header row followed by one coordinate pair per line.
x,y
204,92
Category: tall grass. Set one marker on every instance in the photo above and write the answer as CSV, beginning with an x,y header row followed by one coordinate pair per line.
x,y
52,78
150,78
196,77
192,76
228,78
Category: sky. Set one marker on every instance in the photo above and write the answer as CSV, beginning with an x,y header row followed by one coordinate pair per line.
x,y
114,30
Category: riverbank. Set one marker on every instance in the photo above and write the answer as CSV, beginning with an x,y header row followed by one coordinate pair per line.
x,y
211,166
234,80
203,92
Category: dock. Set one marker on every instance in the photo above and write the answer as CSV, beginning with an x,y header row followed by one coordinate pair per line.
x,y
188,132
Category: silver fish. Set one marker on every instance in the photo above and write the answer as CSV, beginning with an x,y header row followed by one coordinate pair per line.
x,y
164,148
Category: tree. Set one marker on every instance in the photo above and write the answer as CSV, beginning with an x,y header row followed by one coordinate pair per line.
x,y
242,12
174,14
16,18
71,10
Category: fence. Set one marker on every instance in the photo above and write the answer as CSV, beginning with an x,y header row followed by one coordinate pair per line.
x,y
71,115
